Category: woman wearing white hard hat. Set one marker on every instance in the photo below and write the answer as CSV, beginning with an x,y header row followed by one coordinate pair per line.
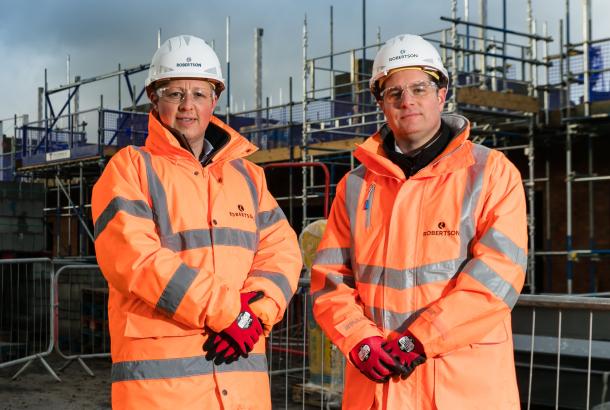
x,y
424,253
199,258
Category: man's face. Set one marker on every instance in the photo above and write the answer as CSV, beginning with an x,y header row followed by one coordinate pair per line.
x,y
413,119
190,116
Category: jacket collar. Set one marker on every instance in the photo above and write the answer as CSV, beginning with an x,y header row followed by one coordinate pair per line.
x,y
372,154
161,141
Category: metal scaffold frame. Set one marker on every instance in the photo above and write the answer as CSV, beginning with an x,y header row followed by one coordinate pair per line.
x,y
581,121
66,161
506,127
500,80
509,127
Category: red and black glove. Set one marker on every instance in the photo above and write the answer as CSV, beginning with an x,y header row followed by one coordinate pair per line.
x,y
239,338
220,349
407,351
372,361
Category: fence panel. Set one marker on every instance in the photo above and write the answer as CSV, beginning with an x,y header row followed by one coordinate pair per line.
x,y
26,317
305,369
562,350
81,311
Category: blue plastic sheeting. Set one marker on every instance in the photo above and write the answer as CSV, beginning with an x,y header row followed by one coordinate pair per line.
x,y
599,83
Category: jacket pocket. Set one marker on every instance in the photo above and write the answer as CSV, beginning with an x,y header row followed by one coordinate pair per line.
x,y
499,334
496,336
140,327
478,376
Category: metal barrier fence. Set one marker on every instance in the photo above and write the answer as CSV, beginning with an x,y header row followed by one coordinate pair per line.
x,y
562,350
26,318
562,343
562,353
81,314
305,369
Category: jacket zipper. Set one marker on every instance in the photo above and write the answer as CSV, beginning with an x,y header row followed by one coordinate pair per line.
x,y
368,205
215,151
437,160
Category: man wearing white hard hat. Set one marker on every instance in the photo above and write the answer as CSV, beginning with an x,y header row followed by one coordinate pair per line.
x,y
200,260
424,254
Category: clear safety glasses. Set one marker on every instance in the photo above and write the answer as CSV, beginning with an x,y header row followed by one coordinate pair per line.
x,y
420,89
176,95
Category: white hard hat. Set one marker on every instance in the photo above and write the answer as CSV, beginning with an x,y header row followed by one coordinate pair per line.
x,y
185,57
406,50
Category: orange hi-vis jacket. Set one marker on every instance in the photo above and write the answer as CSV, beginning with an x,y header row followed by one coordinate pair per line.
x,y
177,242
443,254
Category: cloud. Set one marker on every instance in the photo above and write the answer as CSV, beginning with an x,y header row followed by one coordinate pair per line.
x,y
100,35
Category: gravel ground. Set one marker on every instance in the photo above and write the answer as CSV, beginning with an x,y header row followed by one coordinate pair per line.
x,y
37,389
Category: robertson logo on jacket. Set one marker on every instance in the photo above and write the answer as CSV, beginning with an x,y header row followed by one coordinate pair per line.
x,y
442,231
241,212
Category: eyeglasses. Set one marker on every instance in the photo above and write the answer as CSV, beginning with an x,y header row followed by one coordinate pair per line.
x,y
177,95
420,89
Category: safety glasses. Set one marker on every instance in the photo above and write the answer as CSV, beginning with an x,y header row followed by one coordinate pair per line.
x,y
420,89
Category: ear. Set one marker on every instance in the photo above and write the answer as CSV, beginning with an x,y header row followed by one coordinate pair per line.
x,y
154,98
214,102
442,96
380,104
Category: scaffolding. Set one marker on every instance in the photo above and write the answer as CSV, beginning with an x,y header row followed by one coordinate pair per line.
x,y
518,98
67,150
495,78
579,81
501,101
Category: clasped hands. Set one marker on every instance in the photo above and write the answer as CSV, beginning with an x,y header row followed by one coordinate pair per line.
x,y
239,338
379,359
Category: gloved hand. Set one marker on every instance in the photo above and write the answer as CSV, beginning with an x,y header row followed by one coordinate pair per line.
x,y
372,361
407,351
219,348
239,338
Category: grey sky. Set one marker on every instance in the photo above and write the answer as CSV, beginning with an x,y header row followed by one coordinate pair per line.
x,y
98,35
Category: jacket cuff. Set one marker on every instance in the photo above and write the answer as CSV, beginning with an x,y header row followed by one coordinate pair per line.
x,y
267,311
223,308
357,336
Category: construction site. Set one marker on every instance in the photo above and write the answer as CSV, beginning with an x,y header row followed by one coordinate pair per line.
x,y
547,112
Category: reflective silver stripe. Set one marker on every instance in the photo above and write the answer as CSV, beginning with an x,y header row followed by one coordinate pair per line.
x,y
470,198
253,363
279,280
333,256
234,237
331,281
201,238
265,219
401,279
439,271
503,244
353,187
157,196
388,320
193,239
182,367
475,267
374,275
176,289
136,208
480,271
238,164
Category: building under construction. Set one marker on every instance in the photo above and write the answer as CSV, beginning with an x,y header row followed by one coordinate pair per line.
x,y
547,113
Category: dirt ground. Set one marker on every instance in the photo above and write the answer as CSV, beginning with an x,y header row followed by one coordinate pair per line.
x,y
37,389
